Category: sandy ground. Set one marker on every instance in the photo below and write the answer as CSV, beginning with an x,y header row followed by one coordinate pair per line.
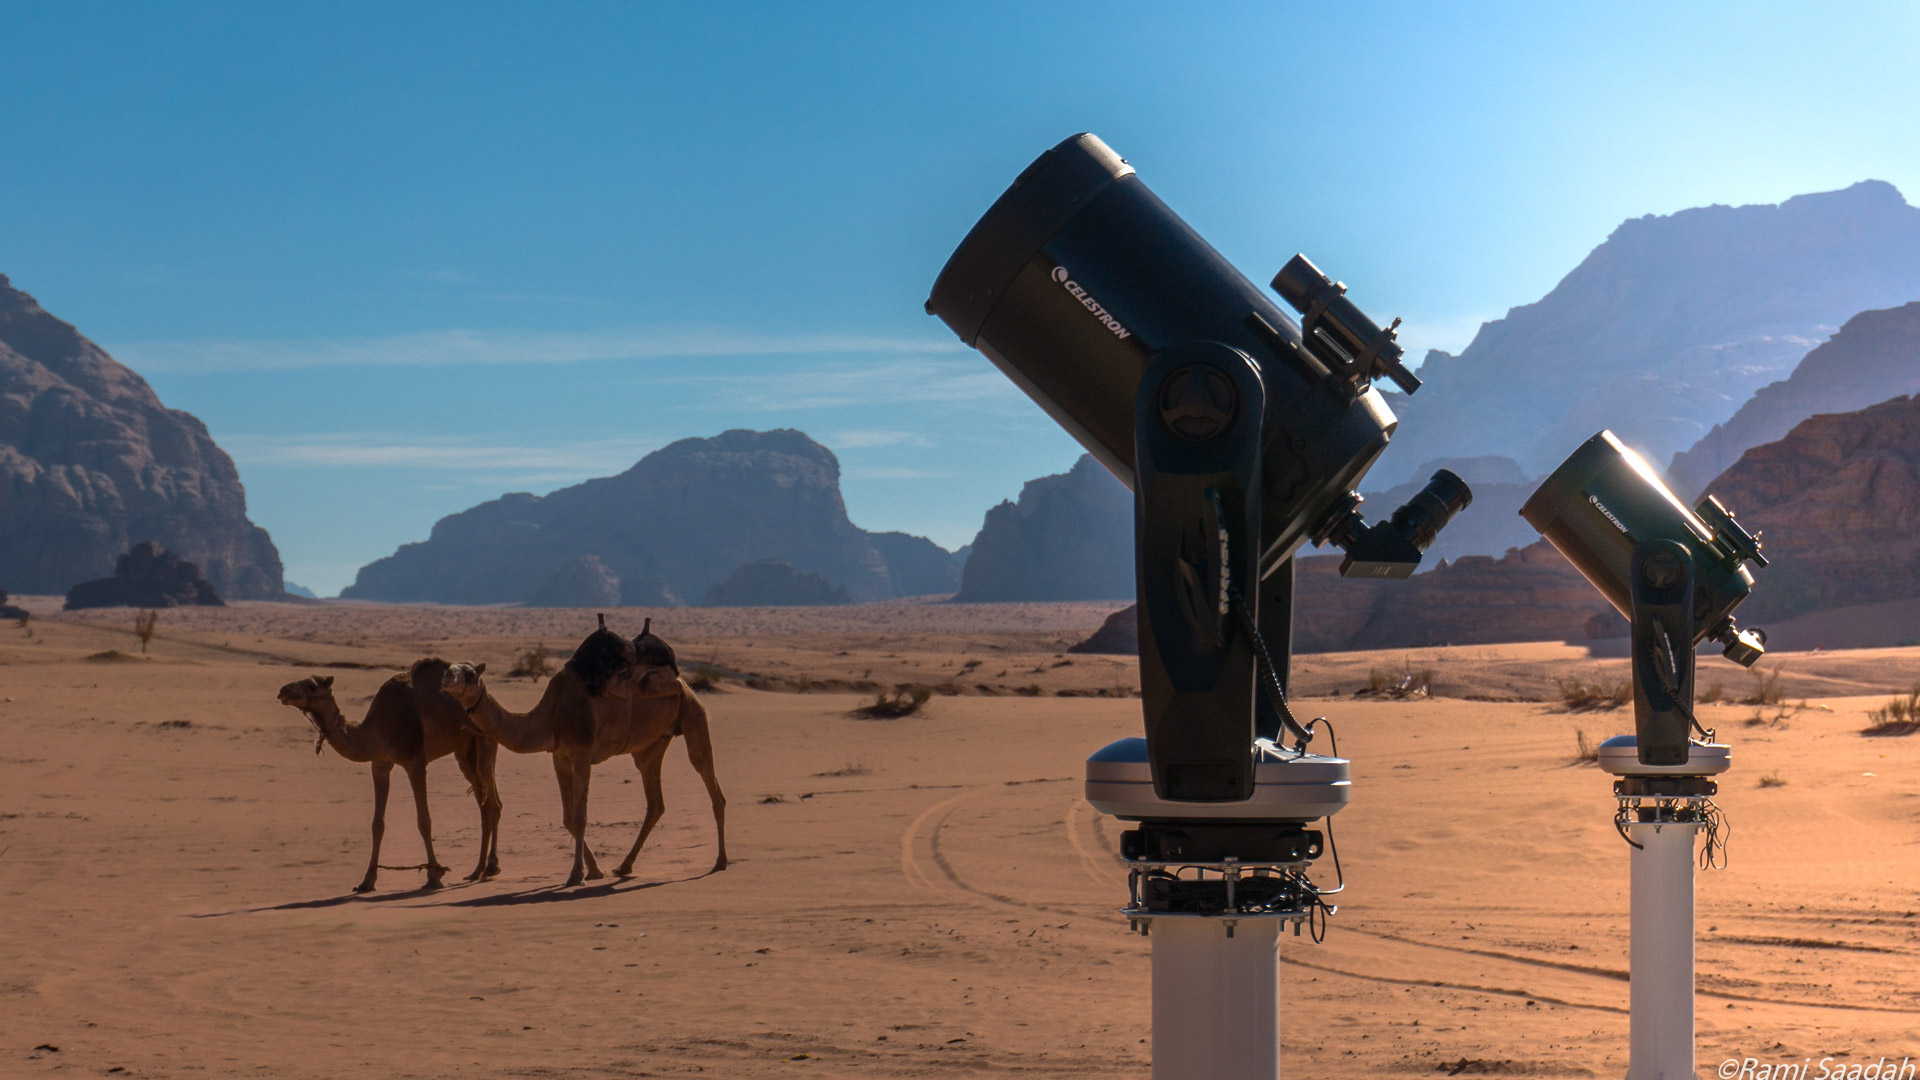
x,y
927,896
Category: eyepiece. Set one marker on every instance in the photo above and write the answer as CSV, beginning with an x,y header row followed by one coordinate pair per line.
x,y
1424,515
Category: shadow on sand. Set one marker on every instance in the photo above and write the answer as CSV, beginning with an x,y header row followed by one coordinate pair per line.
x,y
545,894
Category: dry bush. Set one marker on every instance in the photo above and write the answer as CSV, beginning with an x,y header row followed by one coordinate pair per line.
x,y
703,676
1409,683
903,700
143,625
1713,694
1766,688
26,620
1586,751
1580,695
1029,690
1899,716
1773,779
536,663
858,767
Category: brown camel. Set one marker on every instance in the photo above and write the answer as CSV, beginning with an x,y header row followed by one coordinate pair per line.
x,y
409,724
638,706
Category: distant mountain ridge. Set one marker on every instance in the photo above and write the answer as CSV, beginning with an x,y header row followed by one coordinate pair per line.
x,y
1069,537
91,464
1664,329
1873,357
678,523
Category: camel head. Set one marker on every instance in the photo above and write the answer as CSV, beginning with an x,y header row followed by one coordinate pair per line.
x,y
655,671
462,684
309,693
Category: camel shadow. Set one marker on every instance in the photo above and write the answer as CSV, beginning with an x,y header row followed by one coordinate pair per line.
x,y
557,894
356,898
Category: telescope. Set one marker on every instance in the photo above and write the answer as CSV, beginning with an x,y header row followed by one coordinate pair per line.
x,y
1676,574
1243,435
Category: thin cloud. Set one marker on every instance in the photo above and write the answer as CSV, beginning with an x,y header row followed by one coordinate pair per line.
x,y
862,440
915,380
569,461
449,348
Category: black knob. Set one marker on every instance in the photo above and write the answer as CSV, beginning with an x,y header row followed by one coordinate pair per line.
x,y
1197,402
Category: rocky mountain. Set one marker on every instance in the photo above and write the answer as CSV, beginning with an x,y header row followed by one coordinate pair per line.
x,y
774,583
670,528
1838,505
1874,356
1664,329
1069,537
91,464
582,581
147,576
916,566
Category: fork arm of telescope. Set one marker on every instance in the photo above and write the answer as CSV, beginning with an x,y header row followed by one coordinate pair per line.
x,y
1663,660
1196,525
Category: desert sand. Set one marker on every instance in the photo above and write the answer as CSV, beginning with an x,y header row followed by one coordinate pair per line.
x,y
921,897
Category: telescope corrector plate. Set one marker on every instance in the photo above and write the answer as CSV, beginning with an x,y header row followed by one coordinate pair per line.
x,y
1620,756
1286,788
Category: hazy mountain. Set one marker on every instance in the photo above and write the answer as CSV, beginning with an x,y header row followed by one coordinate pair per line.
x,y
1874,356
1069,537
1489,526
1664,329
676,524
92,464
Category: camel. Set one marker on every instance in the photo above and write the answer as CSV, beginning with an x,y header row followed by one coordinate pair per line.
x,y
409,723
639,704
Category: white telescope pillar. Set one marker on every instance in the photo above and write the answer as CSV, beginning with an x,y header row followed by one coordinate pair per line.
x,y
1662,951
1212,885
1216,1000
1661,810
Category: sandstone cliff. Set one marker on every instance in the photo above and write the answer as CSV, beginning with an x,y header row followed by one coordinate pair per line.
x,y
774,583
147,576
916,566
1664,329
1874,356
1489,526
1070,537
677,523
91,463
1838,504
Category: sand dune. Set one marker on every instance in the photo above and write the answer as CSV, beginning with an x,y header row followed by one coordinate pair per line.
x,y
927,896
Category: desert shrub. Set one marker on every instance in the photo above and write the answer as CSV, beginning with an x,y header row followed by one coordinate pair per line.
x,y
1579,694
1408,683
536,663
1586,751
703,676
143,625
1713,693
1029,690
26,620
1766,688
1377,680
903,700
857,767
1899,716
1773,779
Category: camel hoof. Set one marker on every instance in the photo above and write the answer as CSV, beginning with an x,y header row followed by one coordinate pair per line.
x,y
573,879
719,866
492,872
624,872
596,875
433,883
365,886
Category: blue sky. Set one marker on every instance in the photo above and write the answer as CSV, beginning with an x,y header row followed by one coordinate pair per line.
x,y
402,258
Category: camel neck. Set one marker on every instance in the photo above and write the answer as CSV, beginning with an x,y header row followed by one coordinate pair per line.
x,y
522,733
334,728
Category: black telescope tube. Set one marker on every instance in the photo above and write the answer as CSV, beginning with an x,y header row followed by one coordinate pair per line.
x,y
1079,273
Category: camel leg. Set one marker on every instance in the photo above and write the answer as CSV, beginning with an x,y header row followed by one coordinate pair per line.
x,y
582,776
693,722
488,753
648,762
469,758
573,777
382,776
417,776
